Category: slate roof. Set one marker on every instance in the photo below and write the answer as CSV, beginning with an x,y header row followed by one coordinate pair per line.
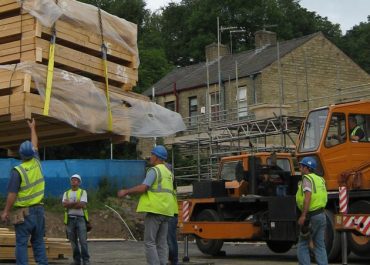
x,y
249,62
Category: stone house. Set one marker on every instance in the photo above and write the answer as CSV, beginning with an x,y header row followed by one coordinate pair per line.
x,y
300,74
289,77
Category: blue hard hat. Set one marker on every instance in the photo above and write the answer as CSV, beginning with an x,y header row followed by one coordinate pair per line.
x,y
160,152
26,150
309,162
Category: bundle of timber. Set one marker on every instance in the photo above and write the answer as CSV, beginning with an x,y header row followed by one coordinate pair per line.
x,y
78,111
80,93
56,248
27,29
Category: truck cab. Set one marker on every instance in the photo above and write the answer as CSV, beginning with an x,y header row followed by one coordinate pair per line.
x,y
338,137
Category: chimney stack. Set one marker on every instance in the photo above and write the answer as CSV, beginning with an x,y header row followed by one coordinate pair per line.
x,y
264,38
211,51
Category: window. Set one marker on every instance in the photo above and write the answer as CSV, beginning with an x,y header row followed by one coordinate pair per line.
x,y
359,127
170,105
242,102
228,171
215,105
193,110
282,163
313,130
337,130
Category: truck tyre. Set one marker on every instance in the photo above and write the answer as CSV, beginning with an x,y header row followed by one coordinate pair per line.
x,y
279,246
360,245
209,246
332,238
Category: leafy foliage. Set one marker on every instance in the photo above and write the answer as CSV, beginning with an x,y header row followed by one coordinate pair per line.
x,y
191,25
356,44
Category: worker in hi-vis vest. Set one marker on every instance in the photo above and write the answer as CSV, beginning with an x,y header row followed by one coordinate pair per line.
x,y
355,131
311,198
75,218
26,193
157,200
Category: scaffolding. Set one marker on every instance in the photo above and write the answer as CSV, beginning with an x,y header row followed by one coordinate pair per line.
x,y
206,145
211,136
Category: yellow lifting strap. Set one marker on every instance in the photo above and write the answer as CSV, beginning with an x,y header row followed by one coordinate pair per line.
x,y
105,66
49,78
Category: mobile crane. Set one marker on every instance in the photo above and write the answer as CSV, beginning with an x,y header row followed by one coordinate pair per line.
x,y
253,198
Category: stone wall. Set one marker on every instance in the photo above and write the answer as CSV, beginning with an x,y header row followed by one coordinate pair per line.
x,y
315,74
310,76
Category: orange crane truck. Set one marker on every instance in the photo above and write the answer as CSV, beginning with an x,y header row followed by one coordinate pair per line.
x,y
253,198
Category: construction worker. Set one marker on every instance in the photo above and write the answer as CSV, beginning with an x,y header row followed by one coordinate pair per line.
x,y
75,218
355,133
157,201
311,200
26,193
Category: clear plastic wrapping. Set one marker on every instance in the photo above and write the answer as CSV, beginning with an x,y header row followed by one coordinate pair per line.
x,y
77,101
86,16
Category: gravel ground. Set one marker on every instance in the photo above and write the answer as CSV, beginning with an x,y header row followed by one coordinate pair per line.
x,y
132,253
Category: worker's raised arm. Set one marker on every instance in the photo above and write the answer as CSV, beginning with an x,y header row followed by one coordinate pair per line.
x,y
34,139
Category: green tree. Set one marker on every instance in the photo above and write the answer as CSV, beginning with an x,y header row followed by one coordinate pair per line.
x,y
153,59
189,26
356,44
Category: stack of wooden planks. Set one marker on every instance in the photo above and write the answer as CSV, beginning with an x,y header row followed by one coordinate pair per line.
x,y
78,50
56,248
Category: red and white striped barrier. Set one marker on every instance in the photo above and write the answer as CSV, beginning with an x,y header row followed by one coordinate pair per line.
x,y
352,221
343,199
185,211
360,223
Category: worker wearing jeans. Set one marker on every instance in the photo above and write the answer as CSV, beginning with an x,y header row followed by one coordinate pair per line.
x,y
311,200
318,225
26,192
76,230
157,201
75,217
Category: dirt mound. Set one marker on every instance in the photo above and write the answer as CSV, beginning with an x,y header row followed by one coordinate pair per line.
x,y
106,223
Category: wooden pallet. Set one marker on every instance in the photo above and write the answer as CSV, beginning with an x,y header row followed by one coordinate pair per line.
x,y
56,248
23,38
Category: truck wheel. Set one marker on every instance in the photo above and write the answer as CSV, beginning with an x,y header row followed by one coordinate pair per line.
x,y
359,244
209,246
279,246
332,238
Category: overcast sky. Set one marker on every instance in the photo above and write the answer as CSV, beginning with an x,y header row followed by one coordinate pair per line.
x,y
347,13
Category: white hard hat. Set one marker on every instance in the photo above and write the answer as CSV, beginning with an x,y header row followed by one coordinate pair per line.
x,y
76,176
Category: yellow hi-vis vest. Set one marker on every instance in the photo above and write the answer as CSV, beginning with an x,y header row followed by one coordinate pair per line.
x,y
319,195
32,187
160,197
78,198
353,133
